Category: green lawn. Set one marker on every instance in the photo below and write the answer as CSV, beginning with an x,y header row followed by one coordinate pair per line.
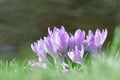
x,y
101,68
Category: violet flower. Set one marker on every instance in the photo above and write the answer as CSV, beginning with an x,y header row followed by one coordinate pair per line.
x,y
60,40
59,44
77,39
50,46
77,55
38,48
95,41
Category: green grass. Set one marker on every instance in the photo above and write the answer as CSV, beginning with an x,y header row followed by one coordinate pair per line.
x,y
101,68
105,67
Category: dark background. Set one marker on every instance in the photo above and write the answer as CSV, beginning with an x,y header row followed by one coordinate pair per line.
x,y
24,21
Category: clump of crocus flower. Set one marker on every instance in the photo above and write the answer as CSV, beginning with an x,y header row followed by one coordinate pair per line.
x,y
61,45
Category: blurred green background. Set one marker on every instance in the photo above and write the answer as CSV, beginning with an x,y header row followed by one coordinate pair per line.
x,y
24,21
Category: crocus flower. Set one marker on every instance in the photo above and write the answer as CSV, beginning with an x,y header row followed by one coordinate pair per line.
x,y
60,39
77,55
59,44
38,48
50,46
95,41
77,39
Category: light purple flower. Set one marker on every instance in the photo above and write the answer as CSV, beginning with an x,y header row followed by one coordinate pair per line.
x,y
95,41
60,39
59,44
77,39
50,47
77,55
38,48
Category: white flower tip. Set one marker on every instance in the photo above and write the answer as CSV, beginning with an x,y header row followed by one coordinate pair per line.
x,y
62,28
65,71
106,31
33,48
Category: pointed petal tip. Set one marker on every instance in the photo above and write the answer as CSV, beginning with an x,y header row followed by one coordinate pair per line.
x,y
90,32
62,28
106,30
33,48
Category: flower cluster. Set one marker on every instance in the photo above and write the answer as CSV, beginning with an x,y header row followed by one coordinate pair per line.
x,y
60,44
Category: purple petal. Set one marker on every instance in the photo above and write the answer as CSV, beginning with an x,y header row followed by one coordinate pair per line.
x,y
104,36
50,46
72,42
97,37
76,55
38,48
79,37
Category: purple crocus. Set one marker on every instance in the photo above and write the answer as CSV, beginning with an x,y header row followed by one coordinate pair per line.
x,y
60,39
50,47
59,44
77,55
38,48
77,39
95,41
